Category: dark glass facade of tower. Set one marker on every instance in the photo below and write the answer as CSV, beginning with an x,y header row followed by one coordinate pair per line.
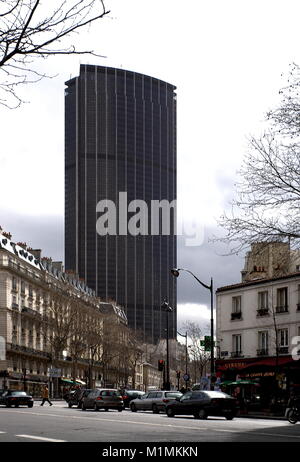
x,y
120,136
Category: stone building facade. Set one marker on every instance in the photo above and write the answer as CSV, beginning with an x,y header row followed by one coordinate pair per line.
x,y
36,295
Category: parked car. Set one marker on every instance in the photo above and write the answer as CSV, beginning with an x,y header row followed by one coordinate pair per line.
x,y
103,398
68,395
75,399
154,401
201,404
129,395
16,398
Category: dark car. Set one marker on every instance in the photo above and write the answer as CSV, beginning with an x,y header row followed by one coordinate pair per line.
x,y
68,395
129,395
103,398
201,404
76,398
154,401
16,398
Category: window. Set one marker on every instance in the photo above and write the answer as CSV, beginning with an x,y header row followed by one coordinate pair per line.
x,y
14,283
236,308
263,343
298,298
236,304
236,345
283,341
282,300
263,300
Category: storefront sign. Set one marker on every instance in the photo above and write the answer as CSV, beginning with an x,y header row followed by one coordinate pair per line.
x,y
259,374
233,365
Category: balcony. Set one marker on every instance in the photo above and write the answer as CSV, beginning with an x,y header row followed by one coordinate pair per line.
x,y
283,350
235,316
236,354
263,312
30,312
15,306
263,352
282,309
24,349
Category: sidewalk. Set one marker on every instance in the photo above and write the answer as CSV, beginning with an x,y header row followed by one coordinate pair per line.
x,y
261,415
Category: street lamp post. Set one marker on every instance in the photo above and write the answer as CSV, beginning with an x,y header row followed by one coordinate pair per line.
x,y
186,355
168,310
175,272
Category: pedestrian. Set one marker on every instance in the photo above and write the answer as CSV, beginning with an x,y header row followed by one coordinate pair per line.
x,y
45,396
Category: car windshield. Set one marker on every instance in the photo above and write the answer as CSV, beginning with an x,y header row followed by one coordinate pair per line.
x,y
18,393
110,393
173,395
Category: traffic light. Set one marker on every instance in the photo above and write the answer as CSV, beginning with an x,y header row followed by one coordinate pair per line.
x,y
161,364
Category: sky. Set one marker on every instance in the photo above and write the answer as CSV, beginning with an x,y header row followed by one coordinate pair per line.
x,y
226,59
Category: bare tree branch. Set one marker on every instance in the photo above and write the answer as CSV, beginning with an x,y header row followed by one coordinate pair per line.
x,y
267,204
33,29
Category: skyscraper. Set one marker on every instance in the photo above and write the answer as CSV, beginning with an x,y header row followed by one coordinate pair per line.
x,y
120,137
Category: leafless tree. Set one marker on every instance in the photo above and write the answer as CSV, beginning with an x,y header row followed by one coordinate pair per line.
x,y
200,357
267,203
31,29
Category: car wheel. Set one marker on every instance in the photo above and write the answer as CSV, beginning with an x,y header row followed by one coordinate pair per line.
x,y
229,416
30,405
16,405
96,407
155,409
170,412
106,409
83,408
120,410
8,405
201,414
70,405
133,408
292,416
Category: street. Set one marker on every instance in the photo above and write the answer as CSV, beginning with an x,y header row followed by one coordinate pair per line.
x,y
61,424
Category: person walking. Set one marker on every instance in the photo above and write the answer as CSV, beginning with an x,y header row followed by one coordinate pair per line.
x,y
45,396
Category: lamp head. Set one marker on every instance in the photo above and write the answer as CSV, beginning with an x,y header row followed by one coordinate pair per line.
x,y
175,272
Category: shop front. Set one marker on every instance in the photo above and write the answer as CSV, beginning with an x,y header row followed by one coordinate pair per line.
x,y
260,384
32,384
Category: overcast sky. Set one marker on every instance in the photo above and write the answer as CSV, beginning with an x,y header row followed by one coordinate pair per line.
x,y
225,58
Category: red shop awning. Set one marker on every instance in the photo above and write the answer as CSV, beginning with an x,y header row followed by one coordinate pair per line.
x,y
270,362
223,365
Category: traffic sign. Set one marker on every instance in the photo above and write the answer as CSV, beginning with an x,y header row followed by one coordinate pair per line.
x,y
186,377
55,372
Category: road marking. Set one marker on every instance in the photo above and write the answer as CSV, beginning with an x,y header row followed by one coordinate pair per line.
x,y
2,432
41,438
